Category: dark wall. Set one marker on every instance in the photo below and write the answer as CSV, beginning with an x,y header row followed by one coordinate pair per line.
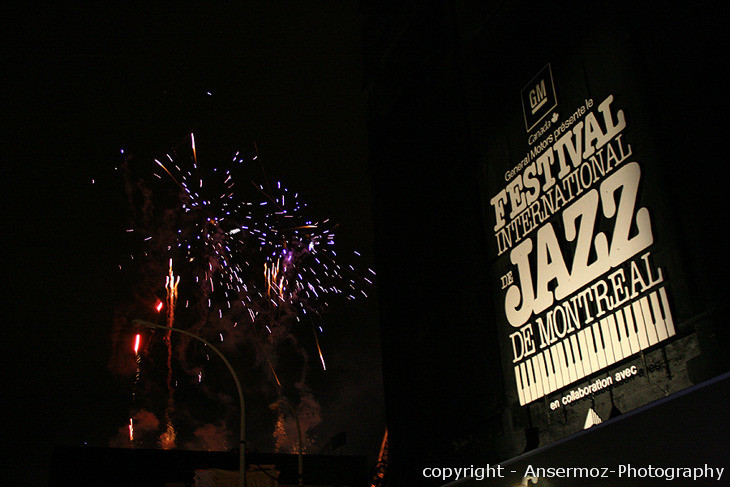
x,y
441,373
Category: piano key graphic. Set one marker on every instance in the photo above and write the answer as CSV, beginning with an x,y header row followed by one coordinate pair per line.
x,y
625,332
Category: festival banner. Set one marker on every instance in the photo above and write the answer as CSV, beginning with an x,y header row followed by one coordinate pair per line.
x,y
584,308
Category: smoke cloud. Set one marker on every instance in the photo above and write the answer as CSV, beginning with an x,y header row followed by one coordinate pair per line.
x,y
141,432
211,437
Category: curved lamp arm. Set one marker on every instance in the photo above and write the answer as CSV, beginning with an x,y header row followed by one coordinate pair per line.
x,y
242,446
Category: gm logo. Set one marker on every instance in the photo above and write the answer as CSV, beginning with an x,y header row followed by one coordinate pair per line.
x,y
538,98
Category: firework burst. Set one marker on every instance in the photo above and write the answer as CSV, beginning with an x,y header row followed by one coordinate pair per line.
x,y
255,245
253,263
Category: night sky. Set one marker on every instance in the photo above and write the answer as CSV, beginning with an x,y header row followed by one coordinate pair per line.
x,y
85,83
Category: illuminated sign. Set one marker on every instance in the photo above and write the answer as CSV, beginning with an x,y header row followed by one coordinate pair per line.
x,y
580,291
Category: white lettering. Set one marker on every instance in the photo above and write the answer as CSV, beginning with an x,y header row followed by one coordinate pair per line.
x,y
522,299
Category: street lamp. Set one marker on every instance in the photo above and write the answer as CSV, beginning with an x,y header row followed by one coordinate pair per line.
x,y
273,406
242,445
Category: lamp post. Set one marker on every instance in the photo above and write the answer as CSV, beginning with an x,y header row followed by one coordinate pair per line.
x,y
242,444
273,406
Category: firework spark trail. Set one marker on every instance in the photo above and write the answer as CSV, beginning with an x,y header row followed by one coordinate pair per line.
x,y
276,377
319,349
137,375
137,359
167,439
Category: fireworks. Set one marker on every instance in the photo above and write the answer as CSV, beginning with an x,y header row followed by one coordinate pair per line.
x,y
167,439
254,263
224,237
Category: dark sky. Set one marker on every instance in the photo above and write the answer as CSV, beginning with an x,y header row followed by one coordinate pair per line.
x,y
83,83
